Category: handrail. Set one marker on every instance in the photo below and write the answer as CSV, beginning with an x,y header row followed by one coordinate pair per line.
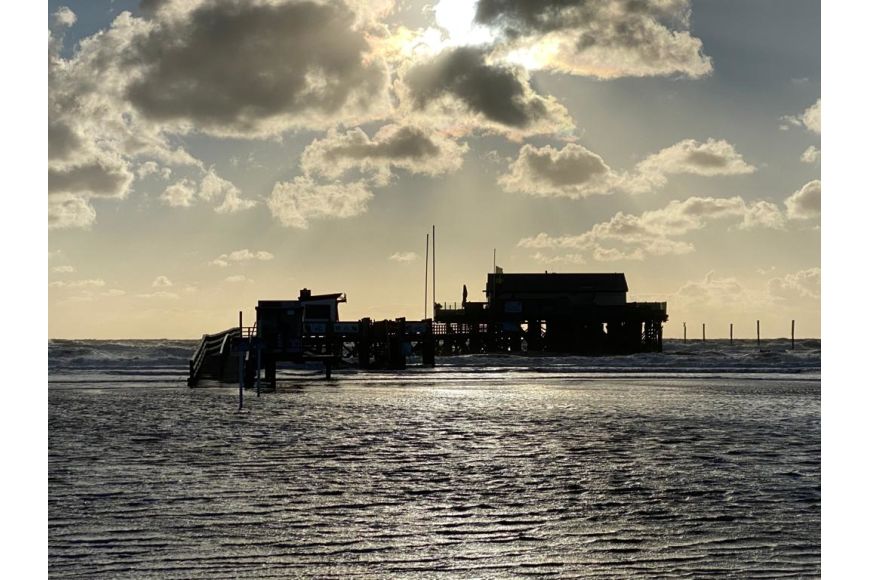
x,y
210,344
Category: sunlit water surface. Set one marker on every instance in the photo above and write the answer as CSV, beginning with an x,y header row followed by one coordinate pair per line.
x,y
491,469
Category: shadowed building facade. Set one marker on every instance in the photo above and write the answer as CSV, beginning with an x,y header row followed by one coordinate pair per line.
x,y
571,313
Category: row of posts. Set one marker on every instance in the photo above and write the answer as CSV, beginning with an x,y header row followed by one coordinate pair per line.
x,y
731,333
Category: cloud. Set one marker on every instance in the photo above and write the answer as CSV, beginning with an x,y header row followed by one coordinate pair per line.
x,y
126,92
185,192
214,187
574,171
237,279
805,203
180,194
70,211
812,154
92,283
244,255
254,68
802,284
152,168
112,293
106,176
295,203
467,91
63,269
656,232
161,282
810,119
712,291
598,38
404,257
159,295
407,147
714,157
64,17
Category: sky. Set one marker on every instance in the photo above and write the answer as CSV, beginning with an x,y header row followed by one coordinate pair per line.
x,y
204,155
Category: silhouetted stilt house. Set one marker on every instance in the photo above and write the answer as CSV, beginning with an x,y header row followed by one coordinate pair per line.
x,y
571,313
555,313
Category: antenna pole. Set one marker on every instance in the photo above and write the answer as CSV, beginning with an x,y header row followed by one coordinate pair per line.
x,y
493,260
426,282
434,301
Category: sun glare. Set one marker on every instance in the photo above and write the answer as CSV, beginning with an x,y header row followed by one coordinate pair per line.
x,y
456,17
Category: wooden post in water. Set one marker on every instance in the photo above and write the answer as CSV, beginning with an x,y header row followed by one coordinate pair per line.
x,y
758,333
703,332
792,334
241,364
731,334
257,379
684,333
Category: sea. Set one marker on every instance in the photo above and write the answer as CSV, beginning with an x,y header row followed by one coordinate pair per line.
x,y
700,461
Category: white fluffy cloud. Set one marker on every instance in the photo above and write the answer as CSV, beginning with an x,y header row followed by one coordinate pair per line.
x,y
713,157
212,187
70,211
802,284
712,291
805,203
811,154
404,257
295,203
64,17
812,117
180,194
576,172
656,232
161,282
244,255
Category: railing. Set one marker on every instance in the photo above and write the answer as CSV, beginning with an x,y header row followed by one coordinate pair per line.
x,y
210,344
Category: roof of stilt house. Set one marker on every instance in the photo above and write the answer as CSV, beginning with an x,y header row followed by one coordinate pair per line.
x,y
548,283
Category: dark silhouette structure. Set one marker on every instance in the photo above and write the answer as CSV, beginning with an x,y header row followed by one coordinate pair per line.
x,y
545,313
559,313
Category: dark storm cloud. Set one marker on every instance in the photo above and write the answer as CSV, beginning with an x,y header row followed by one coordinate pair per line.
x,y
99,178
572,171
231,66
405,147
496,92
63,142
605,38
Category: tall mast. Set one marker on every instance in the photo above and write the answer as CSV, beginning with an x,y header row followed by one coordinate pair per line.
x,y
426,282
434,301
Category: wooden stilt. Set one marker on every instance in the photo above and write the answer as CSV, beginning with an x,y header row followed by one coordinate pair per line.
x,y
792,334
758,333
684,333
703,332
731,334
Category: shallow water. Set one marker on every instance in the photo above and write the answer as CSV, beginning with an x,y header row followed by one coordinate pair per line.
x,y
501,470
